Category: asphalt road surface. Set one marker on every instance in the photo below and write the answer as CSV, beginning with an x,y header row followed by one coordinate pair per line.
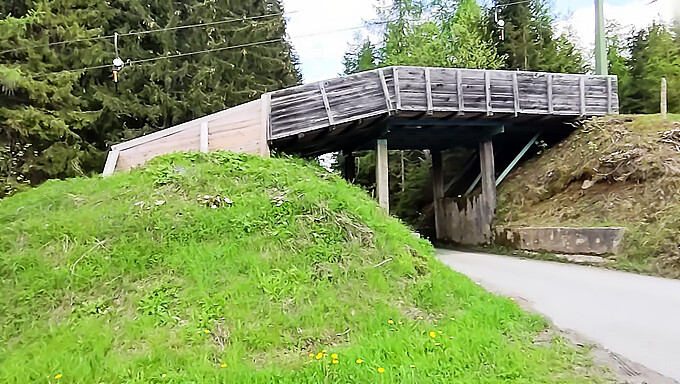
x,y
635,316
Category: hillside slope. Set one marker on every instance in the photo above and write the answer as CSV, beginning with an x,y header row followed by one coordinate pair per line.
x,y
613,171
228,268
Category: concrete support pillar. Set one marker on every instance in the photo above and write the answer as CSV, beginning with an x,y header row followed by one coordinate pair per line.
x,y
349,168
438,195
487,165
382,183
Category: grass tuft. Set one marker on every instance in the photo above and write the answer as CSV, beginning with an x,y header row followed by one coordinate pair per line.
x,y
230,268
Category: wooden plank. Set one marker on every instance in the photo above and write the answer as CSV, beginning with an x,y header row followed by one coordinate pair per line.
x,y
550,92
582,94
488,173
204,137
515,93
487,92
326,104
265,123
227,113
386,91
397,93
111,162
609,96
382,174
428,91
459,91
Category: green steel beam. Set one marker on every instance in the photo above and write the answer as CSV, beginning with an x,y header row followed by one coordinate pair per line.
x,y
516,159
474,184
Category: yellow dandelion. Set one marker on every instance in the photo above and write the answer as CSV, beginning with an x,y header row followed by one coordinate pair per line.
x,y
512,299
390,321
319,356
223,365
163,375
334,356
439,332
323,351
437,344
58,376
413,366
311,355
207,331
359,361
420,317
432,334
335,362
381,370
400,323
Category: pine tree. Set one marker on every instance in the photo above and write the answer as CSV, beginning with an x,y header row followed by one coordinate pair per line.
x,y
654,53
464,38
69,119
362,56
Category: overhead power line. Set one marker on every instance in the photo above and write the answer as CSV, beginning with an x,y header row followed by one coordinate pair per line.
x,y
147,31
246,45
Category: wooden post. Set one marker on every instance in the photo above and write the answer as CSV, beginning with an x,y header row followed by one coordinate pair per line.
x,y
111,162
204,137
438,195
349,169
664,98
382,183
265,120
486,160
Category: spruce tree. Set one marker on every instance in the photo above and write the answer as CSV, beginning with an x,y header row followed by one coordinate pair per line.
x,y
654,53
69,119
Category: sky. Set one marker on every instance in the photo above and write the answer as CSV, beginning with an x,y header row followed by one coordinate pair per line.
x,y
321,30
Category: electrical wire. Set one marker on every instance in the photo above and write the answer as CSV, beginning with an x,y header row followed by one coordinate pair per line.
x,y
515,3
148,31
246,45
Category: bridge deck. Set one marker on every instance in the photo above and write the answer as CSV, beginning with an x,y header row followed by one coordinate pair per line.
x,y
467,92
348,112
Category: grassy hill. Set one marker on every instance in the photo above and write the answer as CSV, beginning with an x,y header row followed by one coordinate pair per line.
x,y
613,171
227,268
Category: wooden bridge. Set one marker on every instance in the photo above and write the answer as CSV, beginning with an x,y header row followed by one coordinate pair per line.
x,y
392,108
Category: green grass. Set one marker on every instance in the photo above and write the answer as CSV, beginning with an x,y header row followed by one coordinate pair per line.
x,y
635,176
148,277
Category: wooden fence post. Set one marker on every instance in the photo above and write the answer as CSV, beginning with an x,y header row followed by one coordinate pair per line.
x,y
664,98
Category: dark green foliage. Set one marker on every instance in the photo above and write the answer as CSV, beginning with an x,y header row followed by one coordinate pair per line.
x,y
57,125
647,56
362,56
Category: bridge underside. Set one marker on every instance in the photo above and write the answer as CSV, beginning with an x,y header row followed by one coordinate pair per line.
x,y
412,131
398,108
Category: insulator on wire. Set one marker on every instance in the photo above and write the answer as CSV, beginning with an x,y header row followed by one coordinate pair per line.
x,y
118,63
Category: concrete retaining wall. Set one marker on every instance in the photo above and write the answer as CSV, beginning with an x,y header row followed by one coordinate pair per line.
x,y
584,241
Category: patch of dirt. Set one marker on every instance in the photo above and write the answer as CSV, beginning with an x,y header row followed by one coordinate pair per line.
x,y
614,171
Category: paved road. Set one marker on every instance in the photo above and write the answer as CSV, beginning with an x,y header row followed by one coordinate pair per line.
x,y
635,316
